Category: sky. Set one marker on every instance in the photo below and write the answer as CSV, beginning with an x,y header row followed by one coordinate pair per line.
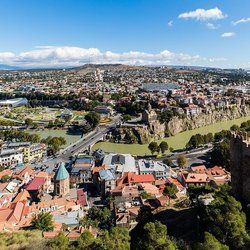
x,y
57,33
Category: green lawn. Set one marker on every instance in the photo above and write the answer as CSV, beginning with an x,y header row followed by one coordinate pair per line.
x,y
70,138
177,142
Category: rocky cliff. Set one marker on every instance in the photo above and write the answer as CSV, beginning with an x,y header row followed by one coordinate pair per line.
x,y
177,125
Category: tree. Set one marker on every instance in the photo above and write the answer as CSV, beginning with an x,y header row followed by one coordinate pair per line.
x,y
170,190
211,243
126,117
145,195
5,178
153,147
86,241
163,146
93,119
60,242
220,154
224,134
43,221
116,239
155,237
55,143
168,161
225,219
171,149
235,128
102,216
144,215
28,121
182,161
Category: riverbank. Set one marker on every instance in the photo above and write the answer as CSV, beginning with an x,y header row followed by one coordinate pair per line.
x,y
178,141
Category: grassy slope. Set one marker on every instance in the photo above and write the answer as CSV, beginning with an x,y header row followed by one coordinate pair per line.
x,y
177,142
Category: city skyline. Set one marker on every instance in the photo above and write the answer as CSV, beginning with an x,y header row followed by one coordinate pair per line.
x,y
72,33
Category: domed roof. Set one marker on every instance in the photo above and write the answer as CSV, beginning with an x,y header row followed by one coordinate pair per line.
x,y
62,172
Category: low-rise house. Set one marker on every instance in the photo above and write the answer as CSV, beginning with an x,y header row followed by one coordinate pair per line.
x,y
218,175
174,181
192,109
158,169
24,175
81,171
11,216
107,180
196,179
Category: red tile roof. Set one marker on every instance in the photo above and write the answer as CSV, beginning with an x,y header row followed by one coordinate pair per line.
x,y
138,178
35,184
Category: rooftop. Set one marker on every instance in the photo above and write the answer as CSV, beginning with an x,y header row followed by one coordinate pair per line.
x,y
62,172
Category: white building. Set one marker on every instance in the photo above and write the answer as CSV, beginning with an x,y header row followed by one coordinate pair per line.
x,y
10,157
158,169
122,163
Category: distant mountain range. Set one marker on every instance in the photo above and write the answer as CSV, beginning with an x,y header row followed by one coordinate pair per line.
x,y
8,67
114,67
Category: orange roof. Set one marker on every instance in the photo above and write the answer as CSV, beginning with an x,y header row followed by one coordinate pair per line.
x,y
149,188
22,196
140,178
42,174
195,178
17,213
199,169
175,182
216,171
20,174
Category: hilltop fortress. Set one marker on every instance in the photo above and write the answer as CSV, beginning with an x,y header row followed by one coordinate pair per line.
x,y
240,165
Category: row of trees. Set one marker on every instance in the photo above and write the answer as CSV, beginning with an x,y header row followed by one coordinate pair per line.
x,y
198,140
154,147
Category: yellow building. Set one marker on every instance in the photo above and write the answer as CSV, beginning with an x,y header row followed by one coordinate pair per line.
x,y
33,152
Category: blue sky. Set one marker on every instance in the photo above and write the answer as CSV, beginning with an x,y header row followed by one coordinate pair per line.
x,y
72,32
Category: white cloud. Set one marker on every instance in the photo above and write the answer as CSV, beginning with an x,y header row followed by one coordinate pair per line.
x,y
228,34
6,57
63,56
203,15
170,23
242,20
212,26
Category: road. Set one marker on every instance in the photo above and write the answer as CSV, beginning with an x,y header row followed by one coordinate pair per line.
x,y
81,145
196,156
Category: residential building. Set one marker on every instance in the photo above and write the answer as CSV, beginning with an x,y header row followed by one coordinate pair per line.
x,y
158,169
81,171
122,163
10,157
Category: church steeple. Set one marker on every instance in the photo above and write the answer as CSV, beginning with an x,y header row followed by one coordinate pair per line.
x,y
61,181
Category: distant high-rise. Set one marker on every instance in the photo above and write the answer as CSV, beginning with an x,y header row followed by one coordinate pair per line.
x,y
61,181
240,165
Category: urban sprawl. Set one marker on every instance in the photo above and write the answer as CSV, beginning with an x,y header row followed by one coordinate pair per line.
x,y
89,157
